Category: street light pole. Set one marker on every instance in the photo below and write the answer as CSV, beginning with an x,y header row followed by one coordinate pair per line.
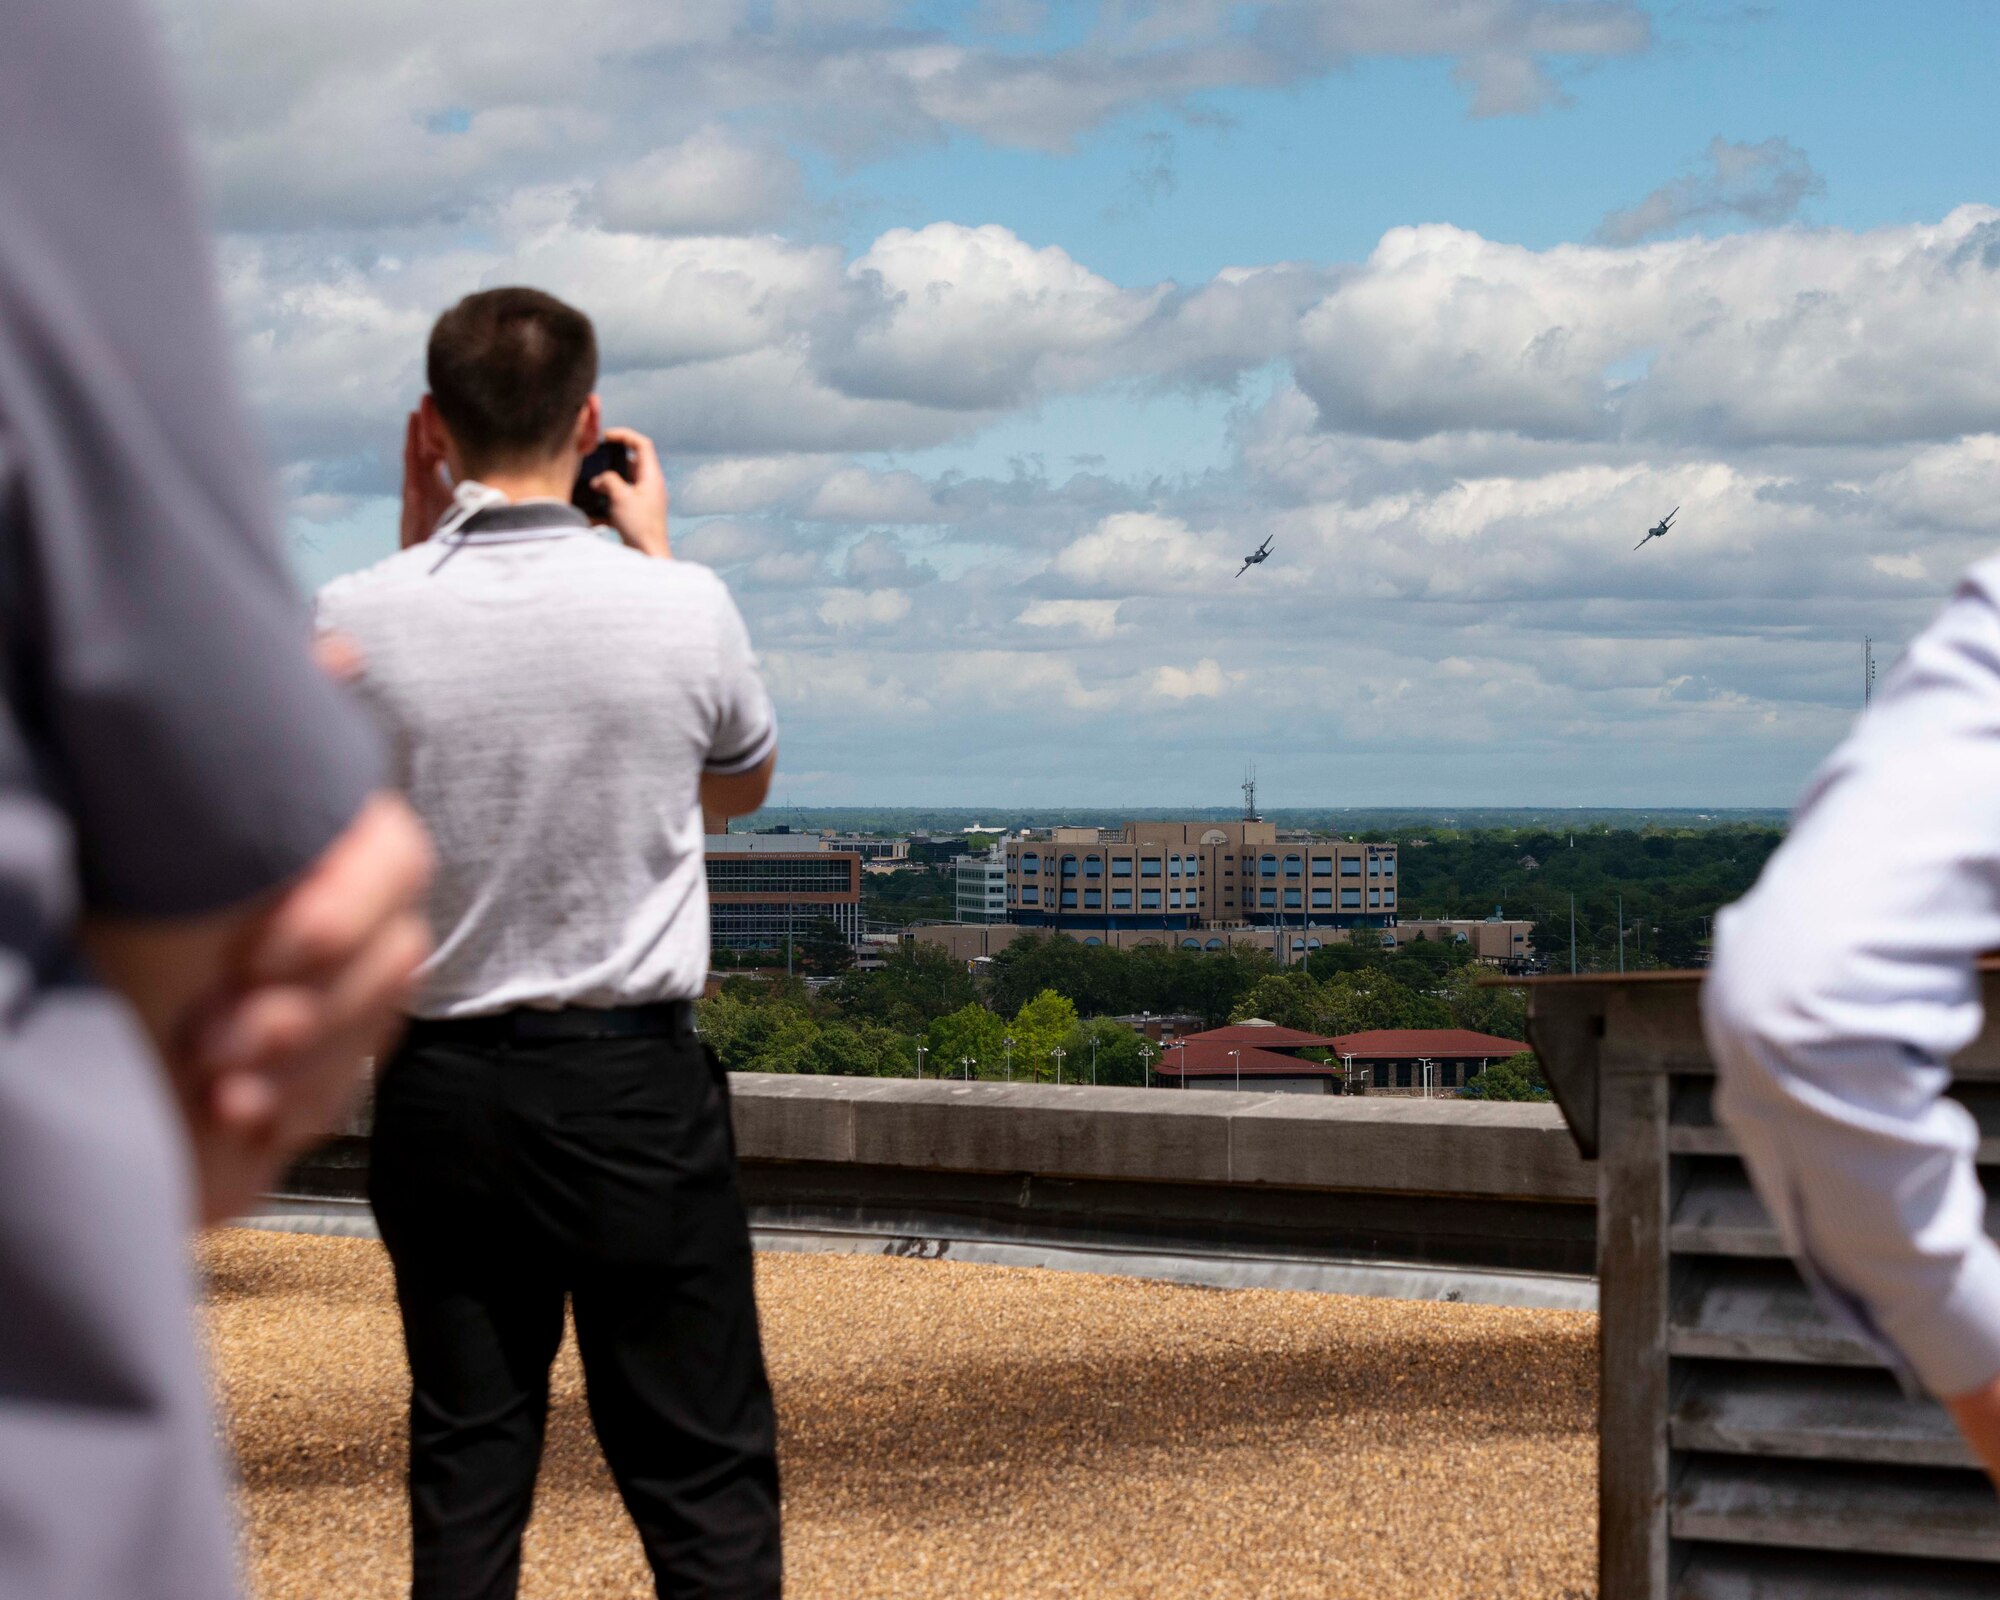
x,y
1146,1063
1056,1055
1237,1057
1010,1058
920,1063
965,1065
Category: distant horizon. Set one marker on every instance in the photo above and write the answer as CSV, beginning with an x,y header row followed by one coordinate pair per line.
x,y
910,817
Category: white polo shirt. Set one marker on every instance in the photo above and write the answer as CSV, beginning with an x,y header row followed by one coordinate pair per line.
x,y
553,699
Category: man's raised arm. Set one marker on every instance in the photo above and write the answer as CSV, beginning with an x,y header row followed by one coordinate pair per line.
x,y
1843,985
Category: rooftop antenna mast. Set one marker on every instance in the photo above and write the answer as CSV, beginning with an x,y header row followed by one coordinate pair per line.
x,y
1867,672
1250,794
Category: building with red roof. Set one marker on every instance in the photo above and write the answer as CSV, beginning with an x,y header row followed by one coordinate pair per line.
x,y
1266,1057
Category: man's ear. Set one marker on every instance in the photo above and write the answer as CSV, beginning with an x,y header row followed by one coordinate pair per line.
x,y
437,437
589,427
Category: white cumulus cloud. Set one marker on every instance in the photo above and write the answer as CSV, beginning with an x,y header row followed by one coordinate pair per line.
x,y
853,609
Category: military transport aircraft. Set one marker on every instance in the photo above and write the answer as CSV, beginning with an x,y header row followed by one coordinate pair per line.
x,y
1261,553
1659,529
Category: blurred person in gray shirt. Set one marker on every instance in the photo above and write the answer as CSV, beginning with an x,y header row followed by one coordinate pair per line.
x,y
207,912
562,709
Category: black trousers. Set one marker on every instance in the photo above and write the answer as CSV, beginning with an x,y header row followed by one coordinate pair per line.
x,y
507,1176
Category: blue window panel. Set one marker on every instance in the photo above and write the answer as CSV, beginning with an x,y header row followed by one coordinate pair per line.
x,y
1292,900
1149,867
1030,865
1267,897
1322,866
1069,899
1270,866
1149,899
1093,899
1121,899
1294,866
1351,899
1093,867
1322,899
1350,866
1121,866
1069,866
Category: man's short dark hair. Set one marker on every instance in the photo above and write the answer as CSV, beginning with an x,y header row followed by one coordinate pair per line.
x,y
509,370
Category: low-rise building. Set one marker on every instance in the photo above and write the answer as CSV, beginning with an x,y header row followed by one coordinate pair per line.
x,y
1189,876
981,886
1162,1027
767,889
871,848
1497,941
1260,1055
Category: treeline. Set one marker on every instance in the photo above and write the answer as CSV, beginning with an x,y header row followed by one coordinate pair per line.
x,y
1672,881
1049,993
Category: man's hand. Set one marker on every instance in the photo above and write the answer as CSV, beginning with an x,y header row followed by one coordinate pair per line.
x,y
638,508
1978,1418
320,983
425,494
263,1014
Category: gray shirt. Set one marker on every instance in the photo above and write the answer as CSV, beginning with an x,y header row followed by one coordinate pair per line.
x,y
552,700
166,748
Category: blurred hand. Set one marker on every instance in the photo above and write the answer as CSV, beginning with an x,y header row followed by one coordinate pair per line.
x,y
318,983
1978,1418
426,496
638,508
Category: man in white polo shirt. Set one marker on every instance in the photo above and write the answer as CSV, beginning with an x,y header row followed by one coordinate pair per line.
x,y
562,709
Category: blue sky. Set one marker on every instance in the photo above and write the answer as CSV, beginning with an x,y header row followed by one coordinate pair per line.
x,y
981,339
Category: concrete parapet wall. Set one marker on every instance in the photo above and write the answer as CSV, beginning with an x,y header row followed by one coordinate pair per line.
x,y
1454,1147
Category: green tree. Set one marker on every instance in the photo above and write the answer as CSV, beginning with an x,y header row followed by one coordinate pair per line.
x,y
1290,999
1485,1009
971,1031
1116,1049
825,950
1041,1025
740,1026
1517,1078
915,984
1359,1001
1095,977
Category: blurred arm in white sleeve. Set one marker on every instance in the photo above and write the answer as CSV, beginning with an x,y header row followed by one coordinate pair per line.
x,y
1842,986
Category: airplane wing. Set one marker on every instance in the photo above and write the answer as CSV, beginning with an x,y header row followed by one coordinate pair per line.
x,y
1643,542
1244,568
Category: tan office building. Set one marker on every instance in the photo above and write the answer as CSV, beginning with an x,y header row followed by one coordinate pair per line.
x,y
1188,876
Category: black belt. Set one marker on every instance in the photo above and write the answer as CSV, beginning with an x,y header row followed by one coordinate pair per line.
x,y
668,1019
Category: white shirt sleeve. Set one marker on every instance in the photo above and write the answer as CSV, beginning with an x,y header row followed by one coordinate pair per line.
x,y
1844,983
746,728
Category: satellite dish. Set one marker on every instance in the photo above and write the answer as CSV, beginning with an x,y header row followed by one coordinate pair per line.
x,y
1215,836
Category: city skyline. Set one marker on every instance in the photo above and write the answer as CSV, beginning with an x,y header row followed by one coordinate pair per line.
x,y
984,341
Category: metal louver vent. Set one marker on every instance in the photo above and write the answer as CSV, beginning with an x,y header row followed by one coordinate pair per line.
x,y
1751,1449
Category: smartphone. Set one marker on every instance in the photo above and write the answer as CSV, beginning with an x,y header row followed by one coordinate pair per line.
x,y
610,456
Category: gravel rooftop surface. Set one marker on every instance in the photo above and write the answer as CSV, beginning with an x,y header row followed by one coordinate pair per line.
x,y
961,1432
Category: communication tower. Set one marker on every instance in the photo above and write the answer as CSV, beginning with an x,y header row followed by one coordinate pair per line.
x,y
1250,794
1867,672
